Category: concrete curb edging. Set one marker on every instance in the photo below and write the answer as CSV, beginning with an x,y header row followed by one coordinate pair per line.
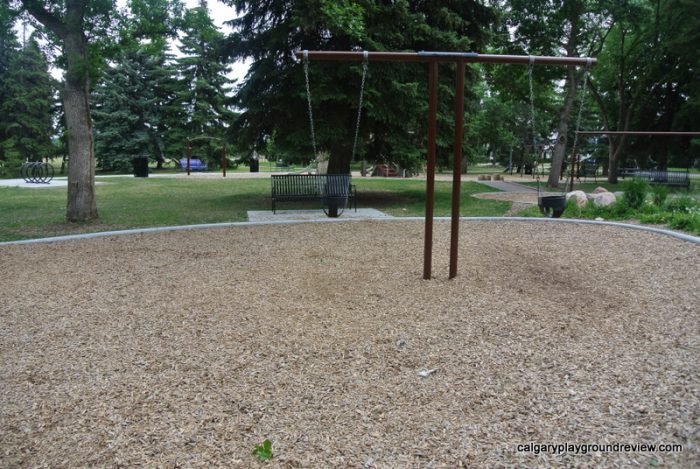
x,y
674,234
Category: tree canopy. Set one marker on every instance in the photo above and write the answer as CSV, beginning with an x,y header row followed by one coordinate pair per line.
x,y
273,96
155,74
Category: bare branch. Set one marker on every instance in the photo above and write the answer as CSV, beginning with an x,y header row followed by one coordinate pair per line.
x,y
48,19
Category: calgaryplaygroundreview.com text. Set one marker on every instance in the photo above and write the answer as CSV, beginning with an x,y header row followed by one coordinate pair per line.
x,y
574,448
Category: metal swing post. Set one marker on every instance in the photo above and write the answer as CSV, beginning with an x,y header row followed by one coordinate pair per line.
x,y
223,158
430,170
188,154
457,167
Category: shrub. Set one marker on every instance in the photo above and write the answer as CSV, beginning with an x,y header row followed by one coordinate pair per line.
x,y
659,194
659,218
573,210
617,211
682,204
635,192
678,220
10,165
686,222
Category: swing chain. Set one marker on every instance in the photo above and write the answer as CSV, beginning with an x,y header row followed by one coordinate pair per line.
x,y
532,120
308,99
365,63
580,110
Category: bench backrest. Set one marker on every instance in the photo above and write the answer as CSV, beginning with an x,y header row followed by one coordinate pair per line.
x,y
668,177
335,185
311,185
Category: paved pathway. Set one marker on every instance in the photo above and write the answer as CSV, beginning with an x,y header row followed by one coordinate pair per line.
x,y
506,186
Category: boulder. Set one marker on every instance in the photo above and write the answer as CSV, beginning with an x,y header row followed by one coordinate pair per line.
x,y
603,199
580,196
599,190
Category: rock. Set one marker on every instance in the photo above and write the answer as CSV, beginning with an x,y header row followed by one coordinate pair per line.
x,y
426,373
599,190
603,199
580,196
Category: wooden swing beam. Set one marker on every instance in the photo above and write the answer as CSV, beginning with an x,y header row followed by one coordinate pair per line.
x,y
639,132
433,59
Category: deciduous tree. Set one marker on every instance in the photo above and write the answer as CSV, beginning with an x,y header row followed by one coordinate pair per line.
x,y
80,28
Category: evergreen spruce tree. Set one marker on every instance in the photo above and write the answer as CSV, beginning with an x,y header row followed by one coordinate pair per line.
x,y
204,84
129,108
9,48
273,96
27,108
167,129
152,26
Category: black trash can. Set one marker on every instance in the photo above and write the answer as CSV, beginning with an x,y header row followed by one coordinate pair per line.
x,y
254,166
140,166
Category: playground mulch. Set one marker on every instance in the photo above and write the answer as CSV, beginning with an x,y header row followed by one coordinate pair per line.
x,y
189,348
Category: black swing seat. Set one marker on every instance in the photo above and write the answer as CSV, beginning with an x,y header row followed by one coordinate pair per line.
x,y
552,206
334,191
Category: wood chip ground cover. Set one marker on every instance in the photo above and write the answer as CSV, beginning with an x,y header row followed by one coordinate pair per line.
x,y
189,348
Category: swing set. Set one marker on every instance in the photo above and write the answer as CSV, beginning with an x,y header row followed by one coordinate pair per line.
x,y
188,166
460,59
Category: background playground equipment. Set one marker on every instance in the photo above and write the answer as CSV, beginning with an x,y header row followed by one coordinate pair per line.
x,y
34,172
187,161
193,164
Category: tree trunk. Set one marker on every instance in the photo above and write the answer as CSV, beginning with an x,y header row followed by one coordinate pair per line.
x,y
662,159
617,149
559,152
339,161
70,28
613,161
82,205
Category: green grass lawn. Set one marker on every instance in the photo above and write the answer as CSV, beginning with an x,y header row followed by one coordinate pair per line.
x,y
130,202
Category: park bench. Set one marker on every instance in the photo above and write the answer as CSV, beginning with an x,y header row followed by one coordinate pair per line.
x,y
334,188
669,178
195,164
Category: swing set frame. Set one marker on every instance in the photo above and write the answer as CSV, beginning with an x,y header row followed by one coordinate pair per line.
x,y
460,59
